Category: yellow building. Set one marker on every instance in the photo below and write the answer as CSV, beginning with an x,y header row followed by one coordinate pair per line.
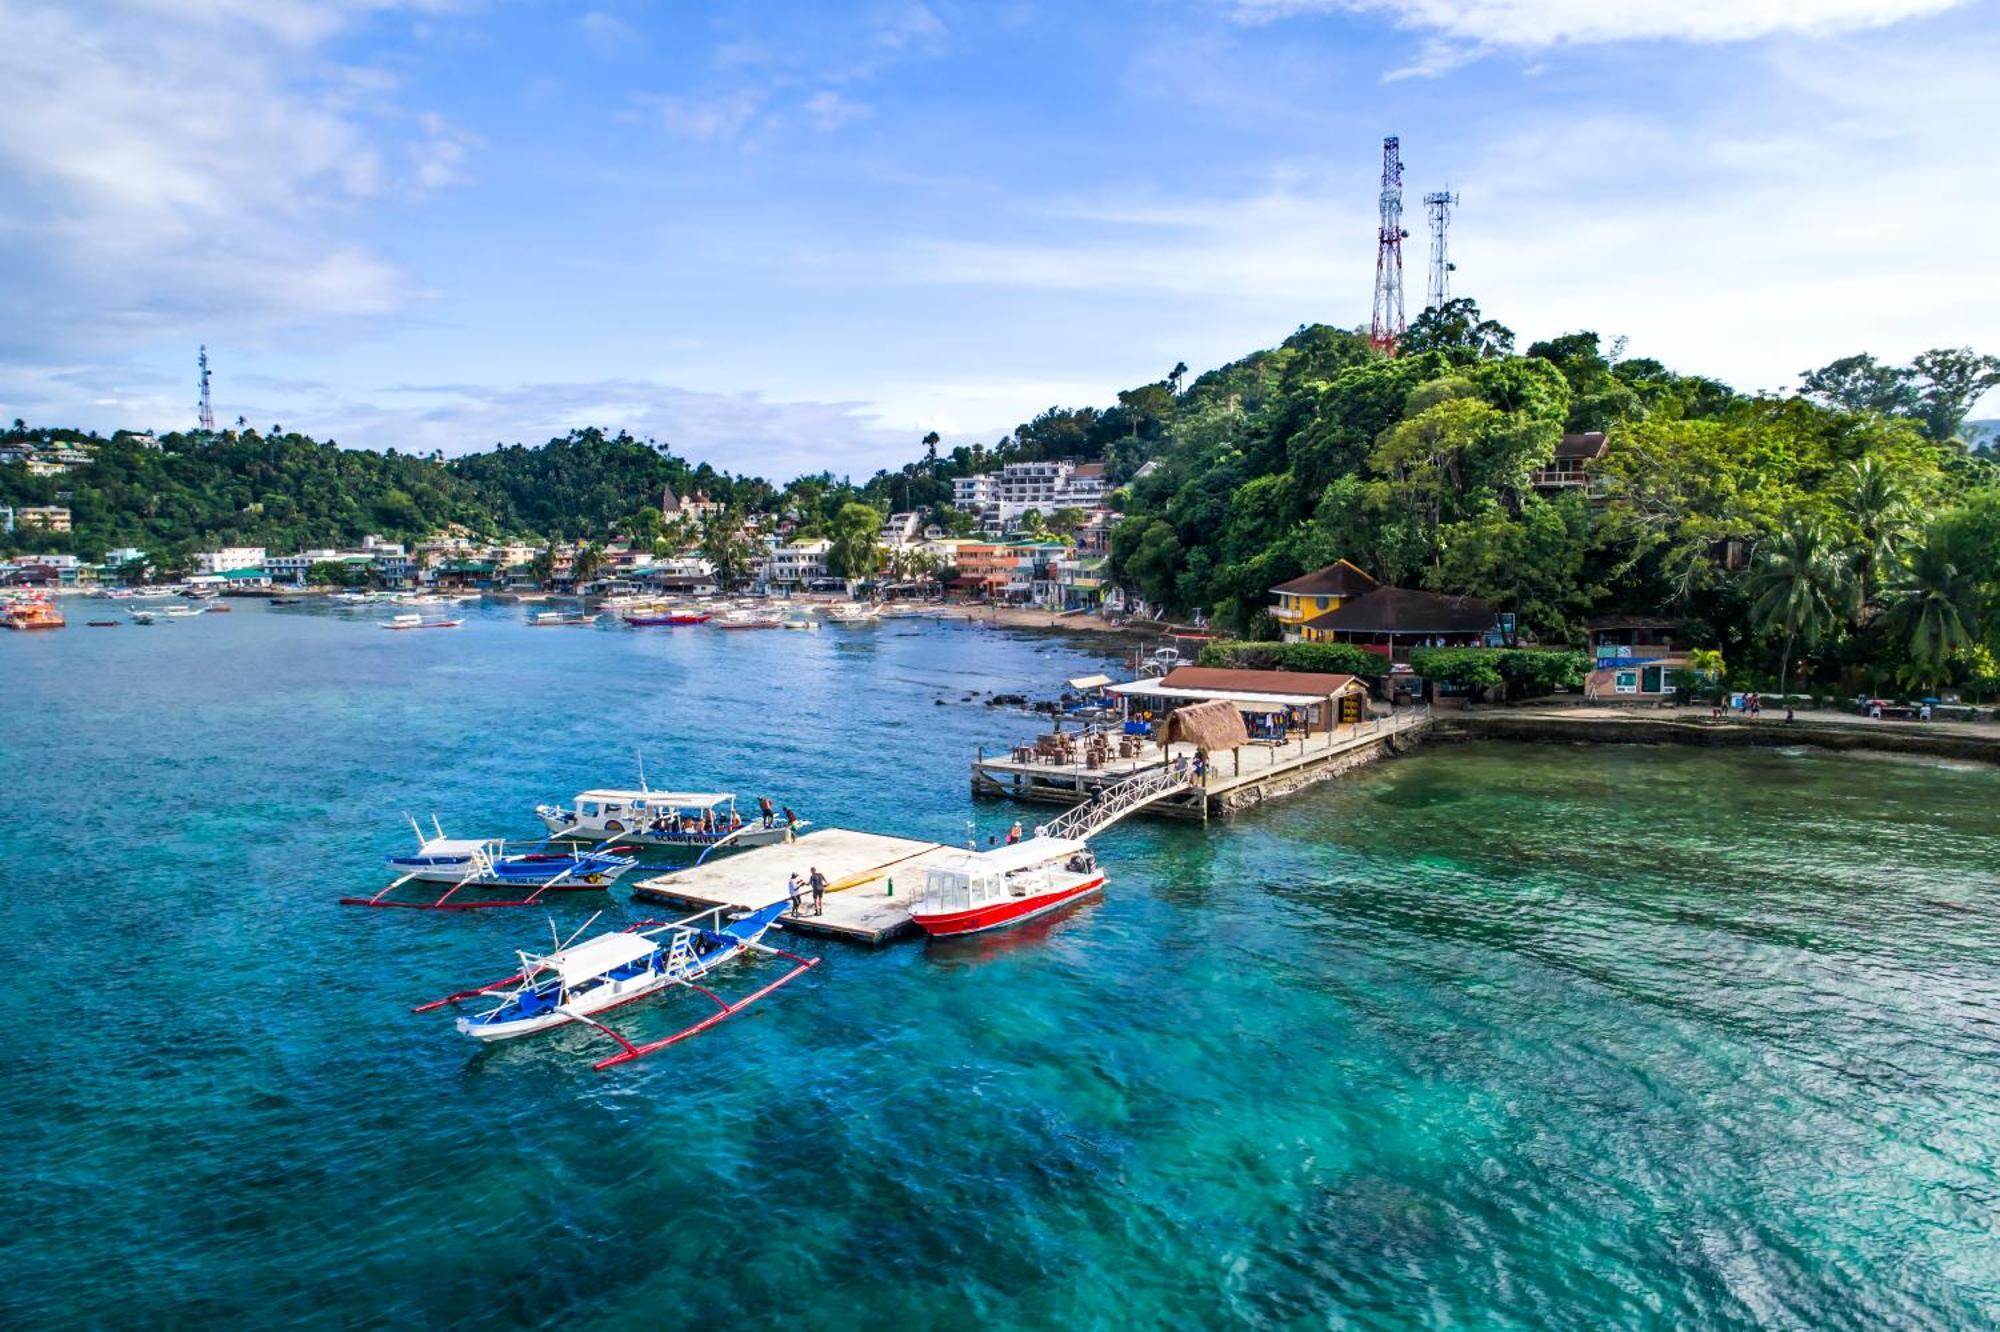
x,y
1314,594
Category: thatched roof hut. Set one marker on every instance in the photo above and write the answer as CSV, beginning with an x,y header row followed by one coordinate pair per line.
x,y
1215,726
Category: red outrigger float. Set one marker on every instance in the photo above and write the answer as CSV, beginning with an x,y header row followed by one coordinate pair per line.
x,y
995,889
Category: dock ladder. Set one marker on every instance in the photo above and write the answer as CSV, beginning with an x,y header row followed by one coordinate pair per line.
x,y
1114,803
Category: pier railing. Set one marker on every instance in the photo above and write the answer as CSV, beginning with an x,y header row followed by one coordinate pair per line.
x,y
1115,802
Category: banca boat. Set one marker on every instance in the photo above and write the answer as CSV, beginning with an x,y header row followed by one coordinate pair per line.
x,y
1006,886
413,620
485,863
33,613
646,817
579,980
561,619
644,616
744,619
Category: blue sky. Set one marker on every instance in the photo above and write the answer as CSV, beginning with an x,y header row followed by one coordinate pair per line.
x,y
793,236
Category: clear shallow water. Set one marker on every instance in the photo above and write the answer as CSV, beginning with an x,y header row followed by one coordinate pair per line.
x,y
1487,1036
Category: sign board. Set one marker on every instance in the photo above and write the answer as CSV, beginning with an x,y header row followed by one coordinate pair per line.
x,y
1350,709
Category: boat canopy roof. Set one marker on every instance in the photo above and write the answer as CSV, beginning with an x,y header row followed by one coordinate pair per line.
x,y
594,957
453,846
1090,682
1248,700
679,799
1007,859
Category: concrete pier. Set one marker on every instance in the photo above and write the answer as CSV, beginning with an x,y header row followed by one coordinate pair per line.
x,y
871,878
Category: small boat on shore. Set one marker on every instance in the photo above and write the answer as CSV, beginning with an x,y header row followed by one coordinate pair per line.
x,y
578,980
415,620
1006,886
485,862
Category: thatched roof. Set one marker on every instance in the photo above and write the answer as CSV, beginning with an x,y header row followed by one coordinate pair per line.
x,y
1215,726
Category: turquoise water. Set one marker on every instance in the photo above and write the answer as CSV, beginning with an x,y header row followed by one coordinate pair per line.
x,y
1486,1036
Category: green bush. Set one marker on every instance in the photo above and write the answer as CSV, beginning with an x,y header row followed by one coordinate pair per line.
x,y
1326,658
1522,670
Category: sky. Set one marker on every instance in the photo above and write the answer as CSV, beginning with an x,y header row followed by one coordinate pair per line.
x,y
787,237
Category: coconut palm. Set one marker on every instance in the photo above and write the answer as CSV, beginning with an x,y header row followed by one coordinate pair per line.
x,y
1935,602
1801,587
1880,506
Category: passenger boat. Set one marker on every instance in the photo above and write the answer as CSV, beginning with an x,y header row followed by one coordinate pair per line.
x,y
744,619
853,613
579,980
484,862
33,613
663,818
415,620
180,612
645,616
561,620
994,889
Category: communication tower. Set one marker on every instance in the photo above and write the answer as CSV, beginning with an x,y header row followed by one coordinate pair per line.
x,y
1387,324
1439,206
207,411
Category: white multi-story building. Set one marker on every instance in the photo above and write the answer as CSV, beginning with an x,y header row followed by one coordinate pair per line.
x,y
229,557
798,563
292,568
1001,499
902,528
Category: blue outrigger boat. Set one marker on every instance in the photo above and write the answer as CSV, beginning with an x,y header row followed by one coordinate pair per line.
x,y
578,980
485,863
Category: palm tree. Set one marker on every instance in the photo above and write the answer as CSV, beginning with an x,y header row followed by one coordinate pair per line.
x,y
1934,601
588,561
1801,587
1879,505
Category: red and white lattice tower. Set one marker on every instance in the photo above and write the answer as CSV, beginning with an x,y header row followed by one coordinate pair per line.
x,y
1387,325
204,409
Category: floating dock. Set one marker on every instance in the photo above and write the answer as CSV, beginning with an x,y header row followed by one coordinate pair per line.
x,y
871,878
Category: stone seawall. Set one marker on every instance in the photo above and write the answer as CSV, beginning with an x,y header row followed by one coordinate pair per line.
x,y
1290,783
1933,739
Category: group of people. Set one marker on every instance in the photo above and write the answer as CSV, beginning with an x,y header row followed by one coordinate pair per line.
x,y
708,823
798,889
771,815
1749,705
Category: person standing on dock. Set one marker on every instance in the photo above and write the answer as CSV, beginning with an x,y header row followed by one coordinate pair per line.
x,y
794,886
818,882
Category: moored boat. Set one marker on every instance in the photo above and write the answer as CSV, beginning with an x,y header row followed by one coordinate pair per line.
x,y
485,862
418,621
579,980
992,890
561,619
647,616
33,613
663,818
743,619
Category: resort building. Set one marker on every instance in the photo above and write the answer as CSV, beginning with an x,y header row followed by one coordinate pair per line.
x,y
1273,703
1392,620
229,557
48,517
999,500
1634,657
1570,468
1002,570
120,556
1316,593
901,529
798,564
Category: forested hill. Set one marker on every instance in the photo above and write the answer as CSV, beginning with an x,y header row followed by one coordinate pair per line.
x,y
287,491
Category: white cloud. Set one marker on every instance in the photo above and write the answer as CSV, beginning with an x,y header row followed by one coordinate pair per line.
x,y
140,189
715,118
1535,24
828,110
607,34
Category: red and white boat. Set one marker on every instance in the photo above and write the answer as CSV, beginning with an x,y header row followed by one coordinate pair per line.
x,y
992,890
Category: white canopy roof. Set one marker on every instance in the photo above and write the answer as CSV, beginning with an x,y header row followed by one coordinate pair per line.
x,y
678,799
1253,700
594,957
453,846
1007,859
1090,682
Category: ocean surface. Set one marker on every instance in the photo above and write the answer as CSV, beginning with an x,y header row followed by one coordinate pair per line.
x,y
1487,1036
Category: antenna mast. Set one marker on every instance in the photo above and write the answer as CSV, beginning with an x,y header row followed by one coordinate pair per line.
x,y
206,421
1387,324
1439,206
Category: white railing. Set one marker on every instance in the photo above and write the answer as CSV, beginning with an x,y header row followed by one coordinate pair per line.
x,y
1115,802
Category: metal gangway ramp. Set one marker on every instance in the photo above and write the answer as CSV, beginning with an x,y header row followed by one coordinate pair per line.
x,y
1115,802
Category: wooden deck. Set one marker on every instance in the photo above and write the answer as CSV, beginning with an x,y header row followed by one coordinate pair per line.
x,y
871,875
1239,772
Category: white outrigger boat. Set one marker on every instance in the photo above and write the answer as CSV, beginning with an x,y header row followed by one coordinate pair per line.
x,y
578,980
706,819
853,612
486,863
413,620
